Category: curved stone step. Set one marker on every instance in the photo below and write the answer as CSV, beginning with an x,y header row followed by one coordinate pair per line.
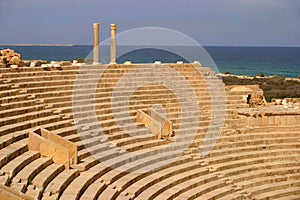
x,y
25,176
79,185
41,180
12,151
10,170
56,187
94,190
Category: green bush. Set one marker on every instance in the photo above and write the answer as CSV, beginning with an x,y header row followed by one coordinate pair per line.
x,y
38,63
260,75
282,96
29,182
80,60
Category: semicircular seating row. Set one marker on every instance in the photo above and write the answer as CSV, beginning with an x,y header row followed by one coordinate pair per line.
x,y
260,163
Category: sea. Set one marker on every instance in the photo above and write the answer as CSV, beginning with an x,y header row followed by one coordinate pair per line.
x,y
249,61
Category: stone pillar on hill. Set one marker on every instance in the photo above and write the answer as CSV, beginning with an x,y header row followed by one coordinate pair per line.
x,y
113,43
96,44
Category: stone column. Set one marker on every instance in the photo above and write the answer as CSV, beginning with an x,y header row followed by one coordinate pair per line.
x,y
113,51
96,44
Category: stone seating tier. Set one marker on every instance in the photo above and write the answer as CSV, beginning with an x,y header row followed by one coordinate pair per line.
x,y
248,162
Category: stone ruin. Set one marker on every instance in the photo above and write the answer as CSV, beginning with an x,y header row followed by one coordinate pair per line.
x,y
256,99
43,156
256,155
12,59
9,58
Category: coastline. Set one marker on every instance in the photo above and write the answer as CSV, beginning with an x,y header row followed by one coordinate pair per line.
x,y
249,61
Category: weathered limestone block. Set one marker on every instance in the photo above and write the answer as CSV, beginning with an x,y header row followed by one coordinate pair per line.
x,y
51,145
34,142
166,125
32,64
10,57
149,122
158,124
257,99
244,91
49,149
15,60
58,153
269,116
6,52
7,193
70,146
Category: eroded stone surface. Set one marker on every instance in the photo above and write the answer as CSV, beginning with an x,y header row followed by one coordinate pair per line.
x,y
9,57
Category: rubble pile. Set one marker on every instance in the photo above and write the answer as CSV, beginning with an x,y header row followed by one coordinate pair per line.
x,y
9,58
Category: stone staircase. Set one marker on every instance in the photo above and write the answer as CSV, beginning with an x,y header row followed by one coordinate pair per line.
x,y
95,107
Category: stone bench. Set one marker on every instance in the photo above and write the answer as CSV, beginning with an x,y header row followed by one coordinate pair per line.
x,y
8,129
26,175
141,146
8,193
9,92
245,147
56,88
201,188
267,185
12,99
289,193
25,117
244,175
35,77
16,136
12,151
77,187
20,111
94,190
18,104
235,159
133,184
41,180
185,189
10,169
55,188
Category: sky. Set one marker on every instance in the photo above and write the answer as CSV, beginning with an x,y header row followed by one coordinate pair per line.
x,y
209,22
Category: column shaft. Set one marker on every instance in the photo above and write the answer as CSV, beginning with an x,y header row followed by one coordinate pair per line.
x,y
113,50
96,44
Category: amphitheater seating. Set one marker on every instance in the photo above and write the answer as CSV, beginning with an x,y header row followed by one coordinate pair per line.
x,y
247,162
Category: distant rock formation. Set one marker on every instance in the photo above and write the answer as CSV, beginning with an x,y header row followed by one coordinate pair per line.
x,y
9,57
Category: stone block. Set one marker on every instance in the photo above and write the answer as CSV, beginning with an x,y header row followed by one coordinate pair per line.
x,y
54,146
59,154
166,125
158,124
149,122
34,141
71,147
